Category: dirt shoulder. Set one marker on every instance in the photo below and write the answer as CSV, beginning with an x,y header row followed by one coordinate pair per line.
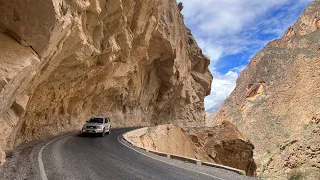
x,y
20,163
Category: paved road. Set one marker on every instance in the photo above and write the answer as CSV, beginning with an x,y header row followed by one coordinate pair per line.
x,y
84,158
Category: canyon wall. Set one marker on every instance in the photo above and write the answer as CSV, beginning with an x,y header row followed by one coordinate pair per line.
x,y
276,101
64,61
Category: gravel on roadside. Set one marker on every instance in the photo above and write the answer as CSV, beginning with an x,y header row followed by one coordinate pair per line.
x,y
20,163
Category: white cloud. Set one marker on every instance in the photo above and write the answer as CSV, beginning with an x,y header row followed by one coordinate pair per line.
x,y
233,27
227,27
222,85
225,17
214,51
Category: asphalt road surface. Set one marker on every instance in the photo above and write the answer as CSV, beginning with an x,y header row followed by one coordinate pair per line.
x,y
93,158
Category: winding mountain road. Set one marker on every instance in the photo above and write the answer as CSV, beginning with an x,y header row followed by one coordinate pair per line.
x,y
73,156
77,157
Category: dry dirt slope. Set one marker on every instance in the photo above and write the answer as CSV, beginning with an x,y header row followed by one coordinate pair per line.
x,y
277,101
64,61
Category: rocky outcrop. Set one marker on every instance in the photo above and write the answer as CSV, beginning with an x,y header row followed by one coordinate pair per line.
x,y
277,96
296,156
223,144
64,61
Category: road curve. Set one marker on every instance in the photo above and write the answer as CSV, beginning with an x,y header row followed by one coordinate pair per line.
x,y
76,157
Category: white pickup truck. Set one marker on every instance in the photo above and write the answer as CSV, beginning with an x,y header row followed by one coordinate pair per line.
x,y
97,125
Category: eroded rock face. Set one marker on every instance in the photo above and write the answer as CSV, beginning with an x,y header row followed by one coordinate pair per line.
x,y
223,144
64,61
164,138
277,96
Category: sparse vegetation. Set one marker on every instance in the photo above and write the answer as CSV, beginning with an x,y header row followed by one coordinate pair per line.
x,y
9,154
307,126
296,175
286,135
309,137
242,173
180,6
268,151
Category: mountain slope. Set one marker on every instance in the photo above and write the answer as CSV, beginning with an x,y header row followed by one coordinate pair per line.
x,y
276,100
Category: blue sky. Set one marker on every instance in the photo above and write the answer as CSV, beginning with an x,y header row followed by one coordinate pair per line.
x,y
230,32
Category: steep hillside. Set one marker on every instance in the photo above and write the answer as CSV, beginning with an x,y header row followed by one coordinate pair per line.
x,y
64,61
276,101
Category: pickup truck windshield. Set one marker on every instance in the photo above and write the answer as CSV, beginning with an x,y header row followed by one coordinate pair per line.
x,y
96,120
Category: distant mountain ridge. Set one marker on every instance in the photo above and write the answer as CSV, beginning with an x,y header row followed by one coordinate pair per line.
x,y
213,109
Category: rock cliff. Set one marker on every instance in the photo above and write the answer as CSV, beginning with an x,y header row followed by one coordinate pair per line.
x,y
64,61
223,144
276,100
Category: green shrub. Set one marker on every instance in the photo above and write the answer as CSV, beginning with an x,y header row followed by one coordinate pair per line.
x,y
296,175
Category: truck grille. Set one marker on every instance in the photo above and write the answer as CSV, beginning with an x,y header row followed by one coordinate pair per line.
x,y
92,127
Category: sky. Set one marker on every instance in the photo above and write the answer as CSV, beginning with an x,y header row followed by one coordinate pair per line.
x,y
230,32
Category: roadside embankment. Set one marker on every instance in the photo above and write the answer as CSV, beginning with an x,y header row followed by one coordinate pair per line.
x,y
223,144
